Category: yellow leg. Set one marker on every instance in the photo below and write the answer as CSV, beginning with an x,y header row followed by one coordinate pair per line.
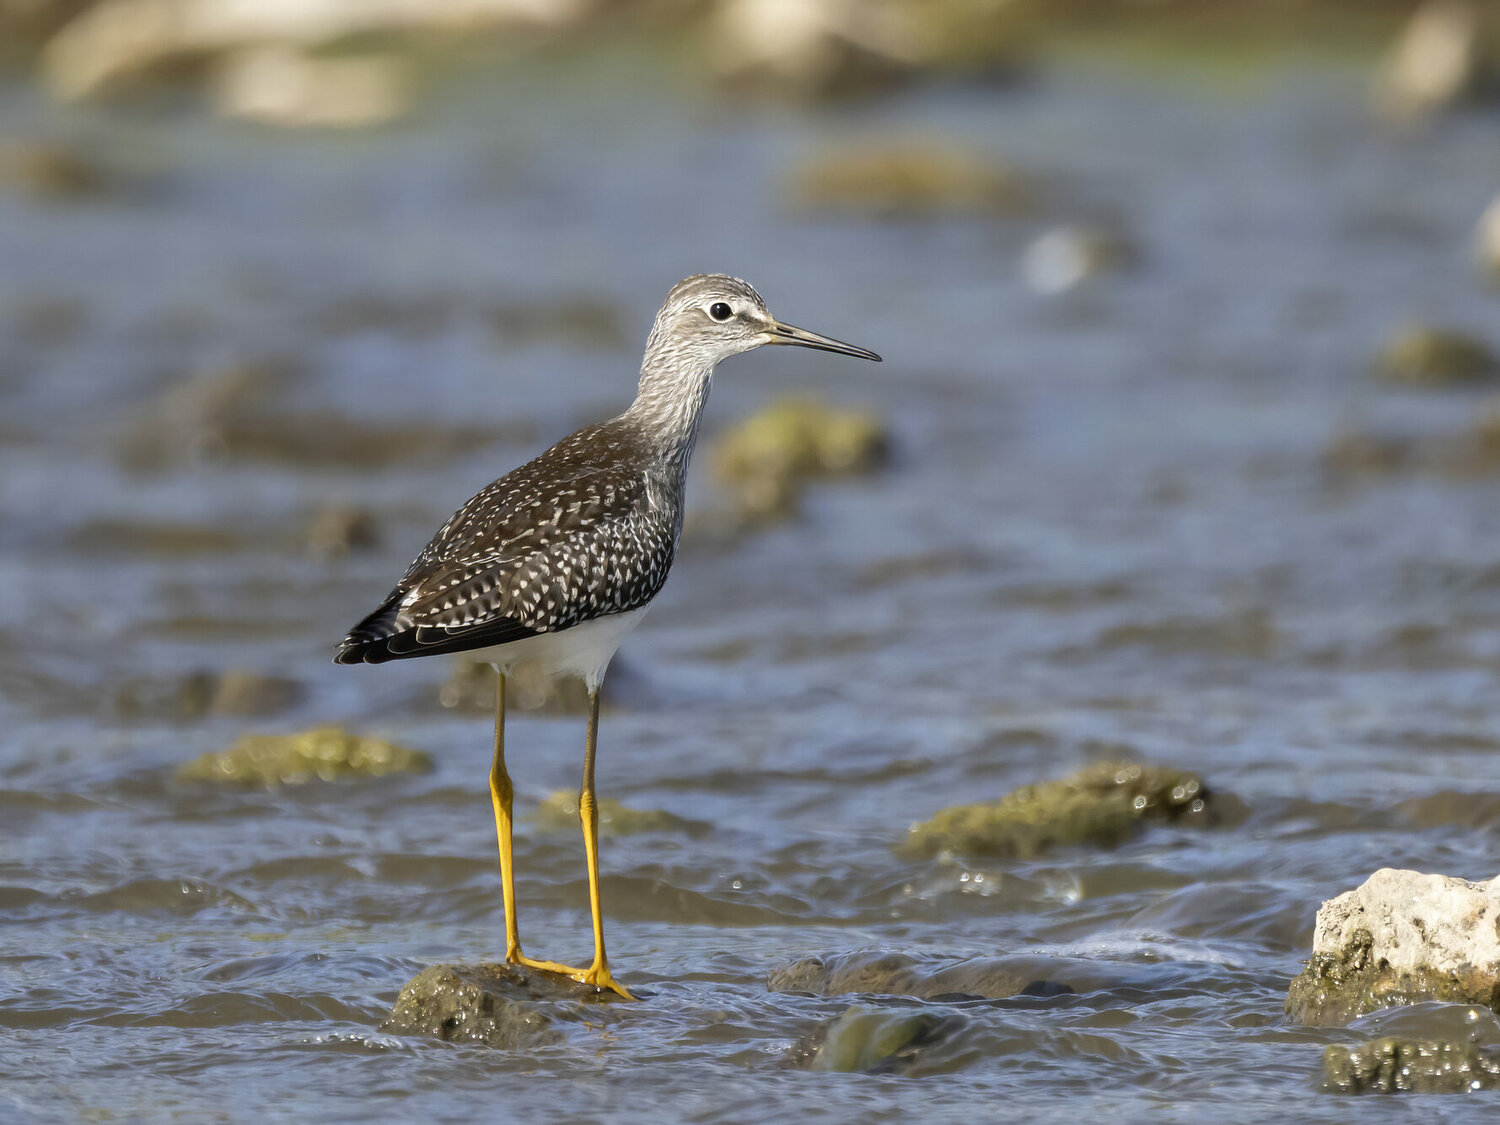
x,y
598,973
502,795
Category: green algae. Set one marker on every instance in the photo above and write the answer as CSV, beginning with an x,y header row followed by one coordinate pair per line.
x,y
869,1041
1396,1066
1335,988
766,459
1427,355
321,754
1100,806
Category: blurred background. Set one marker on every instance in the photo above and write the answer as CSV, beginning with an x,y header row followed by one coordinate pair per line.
x,y
1185,451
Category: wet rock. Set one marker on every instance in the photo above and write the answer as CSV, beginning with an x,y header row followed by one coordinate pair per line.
x,y
765,459
559,813
116,42
1400,938
278,86
874,973
1063,258
320,754
236,693
1101,806
1446,55
870,1041
1395,1066
1424,354
910,179
809,48
492,1005
50,171
335,530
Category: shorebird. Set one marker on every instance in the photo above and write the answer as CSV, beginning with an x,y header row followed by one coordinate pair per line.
x,y
555,562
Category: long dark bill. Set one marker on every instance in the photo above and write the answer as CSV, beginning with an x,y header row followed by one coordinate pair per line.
x,y
802,338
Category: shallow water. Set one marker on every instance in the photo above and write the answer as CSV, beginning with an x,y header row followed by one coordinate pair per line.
x,y
1110,529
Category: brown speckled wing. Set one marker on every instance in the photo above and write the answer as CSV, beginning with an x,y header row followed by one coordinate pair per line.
x,y
568,537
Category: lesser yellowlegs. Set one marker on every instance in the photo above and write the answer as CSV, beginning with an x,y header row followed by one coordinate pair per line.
x,y
556,561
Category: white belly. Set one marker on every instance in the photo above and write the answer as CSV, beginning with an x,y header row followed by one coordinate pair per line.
x,y
584,650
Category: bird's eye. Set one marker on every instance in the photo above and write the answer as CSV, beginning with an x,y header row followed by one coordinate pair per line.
x,y
720,311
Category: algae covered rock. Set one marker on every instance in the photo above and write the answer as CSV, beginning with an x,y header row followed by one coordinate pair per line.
x,y
1102,806
492,1005
1395,1066
801,437
767,457
870,1041
1430,355
1401,938
559,813
916,178
321,754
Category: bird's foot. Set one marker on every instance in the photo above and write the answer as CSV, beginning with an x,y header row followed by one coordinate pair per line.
x,y
596,975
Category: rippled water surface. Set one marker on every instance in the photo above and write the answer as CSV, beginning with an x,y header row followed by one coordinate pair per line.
x,y
1111,528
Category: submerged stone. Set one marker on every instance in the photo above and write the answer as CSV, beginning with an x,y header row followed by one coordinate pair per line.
x,y
1401,938
1101,806
869,1041
493,1005
1396,1066
559,813
321,754
875,973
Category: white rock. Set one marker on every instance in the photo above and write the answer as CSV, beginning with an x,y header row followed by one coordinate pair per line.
x,y
1418,922
118,39
1064,257
277,86
1438,61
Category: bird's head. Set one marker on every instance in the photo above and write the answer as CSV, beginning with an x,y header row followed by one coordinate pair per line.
x,y
712,316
